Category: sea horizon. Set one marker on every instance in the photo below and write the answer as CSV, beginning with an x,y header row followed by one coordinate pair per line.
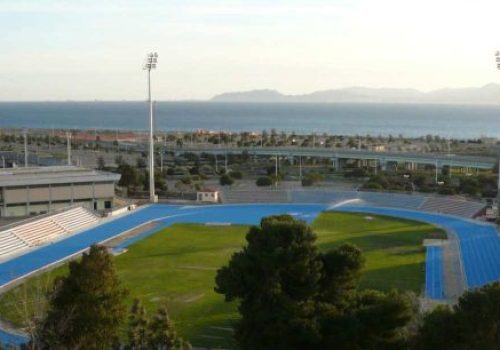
x,y
407,119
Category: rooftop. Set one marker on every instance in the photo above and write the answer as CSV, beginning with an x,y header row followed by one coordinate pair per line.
x,y
52,175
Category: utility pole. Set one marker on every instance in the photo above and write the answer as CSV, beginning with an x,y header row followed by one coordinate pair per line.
x,y
25,135
161,161
498,187
276,172
497,59
436,171
300,168
151,63
68,146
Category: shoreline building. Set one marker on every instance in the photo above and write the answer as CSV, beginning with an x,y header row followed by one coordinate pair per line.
x,y
39,190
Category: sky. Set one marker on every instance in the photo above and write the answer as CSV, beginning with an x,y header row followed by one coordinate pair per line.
x,y
95,49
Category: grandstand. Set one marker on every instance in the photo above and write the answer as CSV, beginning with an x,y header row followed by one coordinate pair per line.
x,y
10,243
37,232
260,196
453,206
434,204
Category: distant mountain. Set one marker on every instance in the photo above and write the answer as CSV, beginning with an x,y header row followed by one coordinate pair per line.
x,y
488,94
252,96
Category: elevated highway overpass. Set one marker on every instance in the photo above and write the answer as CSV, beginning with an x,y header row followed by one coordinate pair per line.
x,y
339,155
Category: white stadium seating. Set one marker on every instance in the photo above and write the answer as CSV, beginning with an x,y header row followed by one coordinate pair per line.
x,y
438,204
451,206
46,229
261,196
10,243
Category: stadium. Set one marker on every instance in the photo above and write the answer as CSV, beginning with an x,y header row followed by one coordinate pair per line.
x,y
458,252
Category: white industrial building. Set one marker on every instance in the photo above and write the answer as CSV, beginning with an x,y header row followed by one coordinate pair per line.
x,y
38,190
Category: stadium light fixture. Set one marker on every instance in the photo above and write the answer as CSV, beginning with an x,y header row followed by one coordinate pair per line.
x,y
497,59
151,63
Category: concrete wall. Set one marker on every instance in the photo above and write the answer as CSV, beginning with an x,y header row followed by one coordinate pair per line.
x,y
60,193
104,190
16,195
21,201
83,191
39,194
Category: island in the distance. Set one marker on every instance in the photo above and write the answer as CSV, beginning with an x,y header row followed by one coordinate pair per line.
x,y
488,94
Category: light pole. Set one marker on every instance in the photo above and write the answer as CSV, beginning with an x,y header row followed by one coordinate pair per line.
x,y
25,136
300,168
68,146
276,171
436,175
497,59
151,62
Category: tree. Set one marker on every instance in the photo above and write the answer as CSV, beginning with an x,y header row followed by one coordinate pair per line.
x,y
370,320
137,327
101,164
264,181
311,178
162,333
473,323
86,308
129,176
140,162
160,183
341,273
274,277
236,174
226,180
119,161
29,302
291,296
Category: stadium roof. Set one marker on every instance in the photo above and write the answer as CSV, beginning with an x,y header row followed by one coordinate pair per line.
x,y
52,175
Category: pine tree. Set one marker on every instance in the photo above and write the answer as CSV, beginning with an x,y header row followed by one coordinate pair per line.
x,y
86,308
137,326
162,334
291,296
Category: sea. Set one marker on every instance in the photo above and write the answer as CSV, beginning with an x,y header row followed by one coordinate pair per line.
x,y
409,120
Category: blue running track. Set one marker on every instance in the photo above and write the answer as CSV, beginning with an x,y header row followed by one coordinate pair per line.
x,y
434,273
167,214
479,243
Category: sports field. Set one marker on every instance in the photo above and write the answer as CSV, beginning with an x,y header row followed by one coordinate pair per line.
x,y
177,267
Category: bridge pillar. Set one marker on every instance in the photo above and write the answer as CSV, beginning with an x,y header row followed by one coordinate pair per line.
x,y
336,164
410,166
383,164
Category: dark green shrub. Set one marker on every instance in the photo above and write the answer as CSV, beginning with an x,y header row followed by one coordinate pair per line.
x,y
264,181
226,180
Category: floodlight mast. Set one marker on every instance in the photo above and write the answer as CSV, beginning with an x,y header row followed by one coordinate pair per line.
x,y
151,62
497,55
